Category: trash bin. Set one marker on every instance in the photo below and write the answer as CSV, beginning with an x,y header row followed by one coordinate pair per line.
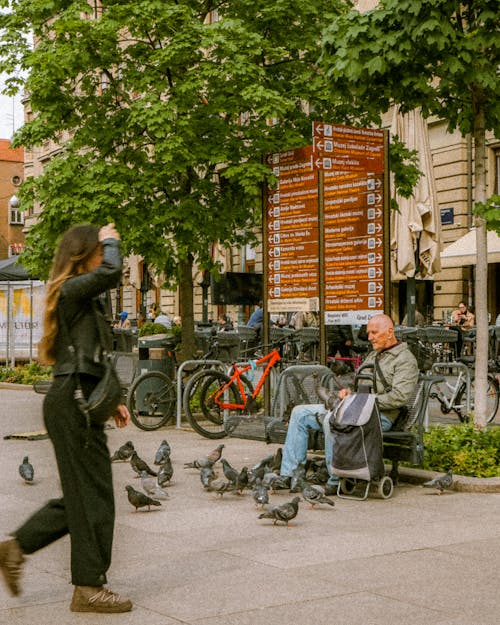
x,y
156,353
229,346
123,339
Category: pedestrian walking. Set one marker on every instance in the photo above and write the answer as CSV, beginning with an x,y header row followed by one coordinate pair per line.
x,y
87,263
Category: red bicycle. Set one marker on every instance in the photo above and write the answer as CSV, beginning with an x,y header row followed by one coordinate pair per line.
x,y
212,398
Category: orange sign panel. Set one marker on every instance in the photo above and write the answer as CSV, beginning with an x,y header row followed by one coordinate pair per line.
x,y
291,228
352,160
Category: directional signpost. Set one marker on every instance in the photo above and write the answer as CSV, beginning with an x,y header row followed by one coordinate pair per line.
x,y
352,164
326,227
292,234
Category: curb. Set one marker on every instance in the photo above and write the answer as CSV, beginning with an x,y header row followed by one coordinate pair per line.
x,y
461,483
16,387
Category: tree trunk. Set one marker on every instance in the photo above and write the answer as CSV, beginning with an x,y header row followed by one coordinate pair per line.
x,y
481,285
187,309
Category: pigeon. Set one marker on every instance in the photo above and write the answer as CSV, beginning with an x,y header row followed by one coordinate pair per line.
x,y
123,453
260,493
242,481
163,452
284,513
328,397
314,494
220,486
26,471
442,482
151,487
206,461
230,473
165,472
277,458
139,465
260,469
297,475
274,481
207,474
140,500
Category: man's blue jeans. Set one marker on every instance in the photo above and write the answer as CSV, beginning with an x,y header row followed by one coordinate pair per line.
x,y
303,419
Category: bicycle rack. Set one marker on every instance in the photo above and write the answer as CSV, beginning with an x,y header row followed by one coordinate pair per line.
x,y
196,363
460,366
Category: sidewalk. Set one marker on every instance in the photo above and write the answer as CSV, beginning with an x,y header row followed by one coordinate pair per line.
x,y
415,559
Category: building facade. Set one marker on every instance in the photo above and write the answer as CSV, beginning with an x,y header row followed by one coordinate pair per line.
x,y
11,215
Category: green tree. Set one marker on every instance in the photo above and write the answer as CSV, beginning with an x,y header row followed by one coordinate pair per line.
x,y
161,116
442,56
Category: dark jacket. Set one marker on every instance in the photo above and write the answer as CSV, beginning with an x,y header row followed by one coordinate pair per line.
x,y
78,295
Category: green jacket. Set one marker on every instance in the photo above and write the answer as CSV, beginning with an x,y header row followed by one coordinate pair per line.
x,y
400,370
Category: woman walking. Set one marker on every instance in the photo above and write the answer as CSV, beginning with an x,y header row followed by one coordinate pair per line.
x,y
86,264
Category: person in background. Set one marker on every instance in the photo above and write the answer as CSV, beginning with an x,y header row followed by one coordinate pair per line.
x,y
140,319
340,339
257,319
225,323
163,319
87,263
124,322
153,310
399,369
462,320
177,321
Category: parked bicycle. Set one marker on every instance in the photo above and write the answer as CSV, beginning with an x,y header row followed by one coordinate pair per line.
x,y
451,394
212,397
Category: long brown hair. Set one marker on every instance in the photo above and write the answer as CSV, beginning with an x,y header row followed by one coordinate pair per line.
x,y
73,252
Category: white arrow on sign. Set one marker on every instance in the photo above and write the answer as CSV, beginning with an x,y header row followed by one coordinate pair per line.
x,y
379,257
379,286
378,183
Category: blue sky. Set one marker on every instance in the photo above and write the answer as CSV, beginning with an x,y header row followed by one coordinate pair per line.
x,y
11,115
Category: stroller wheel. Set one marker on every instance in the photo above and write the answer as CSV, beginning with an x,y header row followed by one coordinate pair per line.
x,y
385,487
347,485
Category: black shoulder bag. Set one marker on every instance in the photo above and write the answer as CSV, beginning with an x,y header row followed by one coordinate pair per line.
x,y
107,395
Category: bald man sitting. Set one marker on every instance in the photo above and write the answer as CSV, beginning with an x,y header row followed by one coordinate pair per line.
x,y
394,385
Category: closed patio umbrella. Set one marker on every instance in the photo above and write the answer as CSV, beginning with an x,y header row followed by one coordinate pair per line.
x,y
416,228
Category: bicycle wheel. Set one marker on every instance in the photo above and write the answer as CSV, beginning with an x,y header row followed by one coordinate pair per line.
x,y
492,399
151,400
204,415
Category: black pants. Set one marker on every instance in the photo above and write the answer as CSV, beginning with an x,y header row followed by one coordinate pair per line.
x,y
86,509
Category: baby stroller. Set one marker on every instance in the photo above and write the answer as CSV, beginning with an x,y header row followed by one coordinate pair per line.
x,y
358,447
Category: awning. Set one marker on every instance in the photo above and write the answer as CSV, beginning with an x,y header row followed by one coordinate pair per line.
x,y
463,251
11,269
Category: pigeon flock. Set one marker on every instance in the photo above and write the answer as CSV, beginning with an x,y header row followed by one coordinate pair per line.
x,y
218,476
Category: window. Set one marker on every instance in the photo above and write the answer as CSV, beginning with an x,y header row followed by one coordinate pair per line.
x,y
16,217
